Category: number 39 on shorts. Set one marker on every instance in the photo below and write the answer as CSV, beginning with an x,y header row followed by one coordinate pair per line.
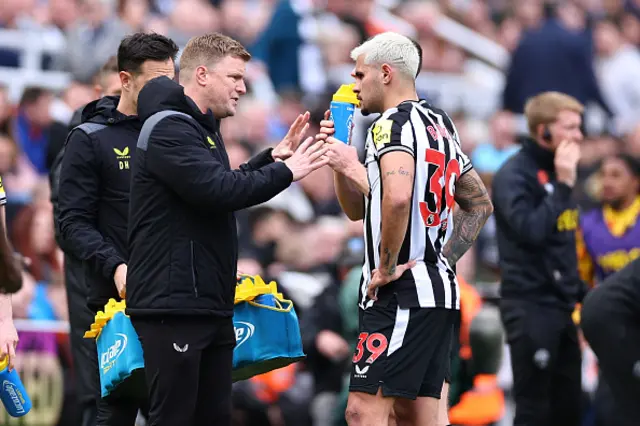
x,y
431,208
375,344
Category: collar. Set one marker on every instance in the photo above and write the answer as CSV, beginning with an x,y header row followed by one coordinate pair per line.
x,y
542,156
620,221
206,119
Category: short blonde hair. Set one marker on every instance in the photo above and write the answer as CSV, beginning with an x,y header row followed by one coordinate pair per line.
x,y
207,49
545,107
391,48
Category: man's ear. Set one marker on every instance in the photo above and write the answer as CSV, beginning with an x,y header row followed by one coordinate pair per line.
x,y
201,75
126,80
387,73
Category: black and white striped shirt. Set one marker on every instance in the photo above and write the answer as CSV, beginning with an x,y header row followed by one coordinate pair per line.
x,y
429,135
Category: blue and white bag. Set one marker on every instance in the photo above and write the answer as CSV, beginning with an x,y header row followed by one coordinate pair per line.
x,y
119,349
267,329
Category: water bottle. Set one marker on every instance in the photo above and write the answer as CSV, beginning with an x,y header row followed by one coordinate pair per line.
x,y
343,107
12,392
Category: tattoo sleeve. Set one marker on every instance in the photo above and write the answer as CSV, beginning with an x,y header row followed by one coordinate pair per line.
x,y
474,209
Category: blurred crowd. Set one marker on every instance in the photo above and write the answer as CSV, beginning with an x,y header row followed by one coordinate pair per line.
x,y
300,48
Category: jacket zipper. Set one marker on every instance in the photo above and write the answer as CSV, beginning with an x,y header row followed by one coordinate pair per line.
x,y
193,268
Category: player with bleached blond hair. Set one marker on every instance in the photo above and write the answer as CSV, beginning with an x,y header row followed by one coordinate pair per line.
x,y
414,174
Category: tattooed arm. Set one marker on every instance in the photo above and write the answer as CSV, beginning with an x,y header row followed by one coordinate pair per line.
x,y
474,209
397,170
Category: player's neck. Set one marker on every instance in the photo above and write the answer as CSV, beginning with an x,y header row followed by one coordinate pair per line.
x,y
396,97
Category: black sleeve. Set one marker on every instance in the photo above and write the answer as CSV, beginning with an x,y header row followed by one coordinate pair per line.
x,y
78,195
262,159
514,202
177,156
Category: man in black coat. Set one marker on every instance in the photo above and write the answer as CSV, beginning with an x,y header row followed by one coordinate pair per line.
x,y
93,205
536,221
182,229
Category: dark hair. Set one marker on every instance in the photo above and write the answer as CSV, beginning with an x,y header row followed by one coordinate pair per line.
x,y
633,163
32,94
138,48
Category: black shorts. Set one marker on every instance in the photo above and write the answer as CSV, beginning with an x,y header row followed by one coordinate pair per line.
x,y
406,352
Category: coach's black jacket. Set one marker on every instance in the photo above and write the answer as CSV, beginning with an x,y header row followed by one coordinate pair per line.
x,y
182,228
93,194
536,223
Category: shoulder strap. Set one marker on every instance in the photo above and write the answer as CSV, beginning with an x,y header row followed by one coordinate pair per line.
x,y
89,128
150,123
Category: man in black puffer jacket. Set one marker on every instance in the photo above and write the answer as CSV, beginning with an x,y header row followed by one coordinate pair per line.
x,y
182,231
93,200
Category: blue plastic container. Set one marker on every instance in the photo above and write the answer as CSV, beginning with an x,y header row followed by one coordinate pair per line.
x,y
12,391
343,108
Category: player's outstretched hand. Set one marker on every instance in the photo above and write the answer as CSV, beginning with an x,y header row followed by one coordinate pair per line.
x,y
308,157
380,278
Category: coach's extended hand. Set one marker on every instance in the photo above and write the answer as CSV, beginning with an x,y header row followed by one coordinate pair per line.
x,y
307,158
380,278
292,139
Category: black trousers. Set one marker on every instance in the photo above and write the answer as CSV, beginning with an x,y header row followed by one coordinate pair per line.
x,y
611,324
546,361
188,363
83,351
